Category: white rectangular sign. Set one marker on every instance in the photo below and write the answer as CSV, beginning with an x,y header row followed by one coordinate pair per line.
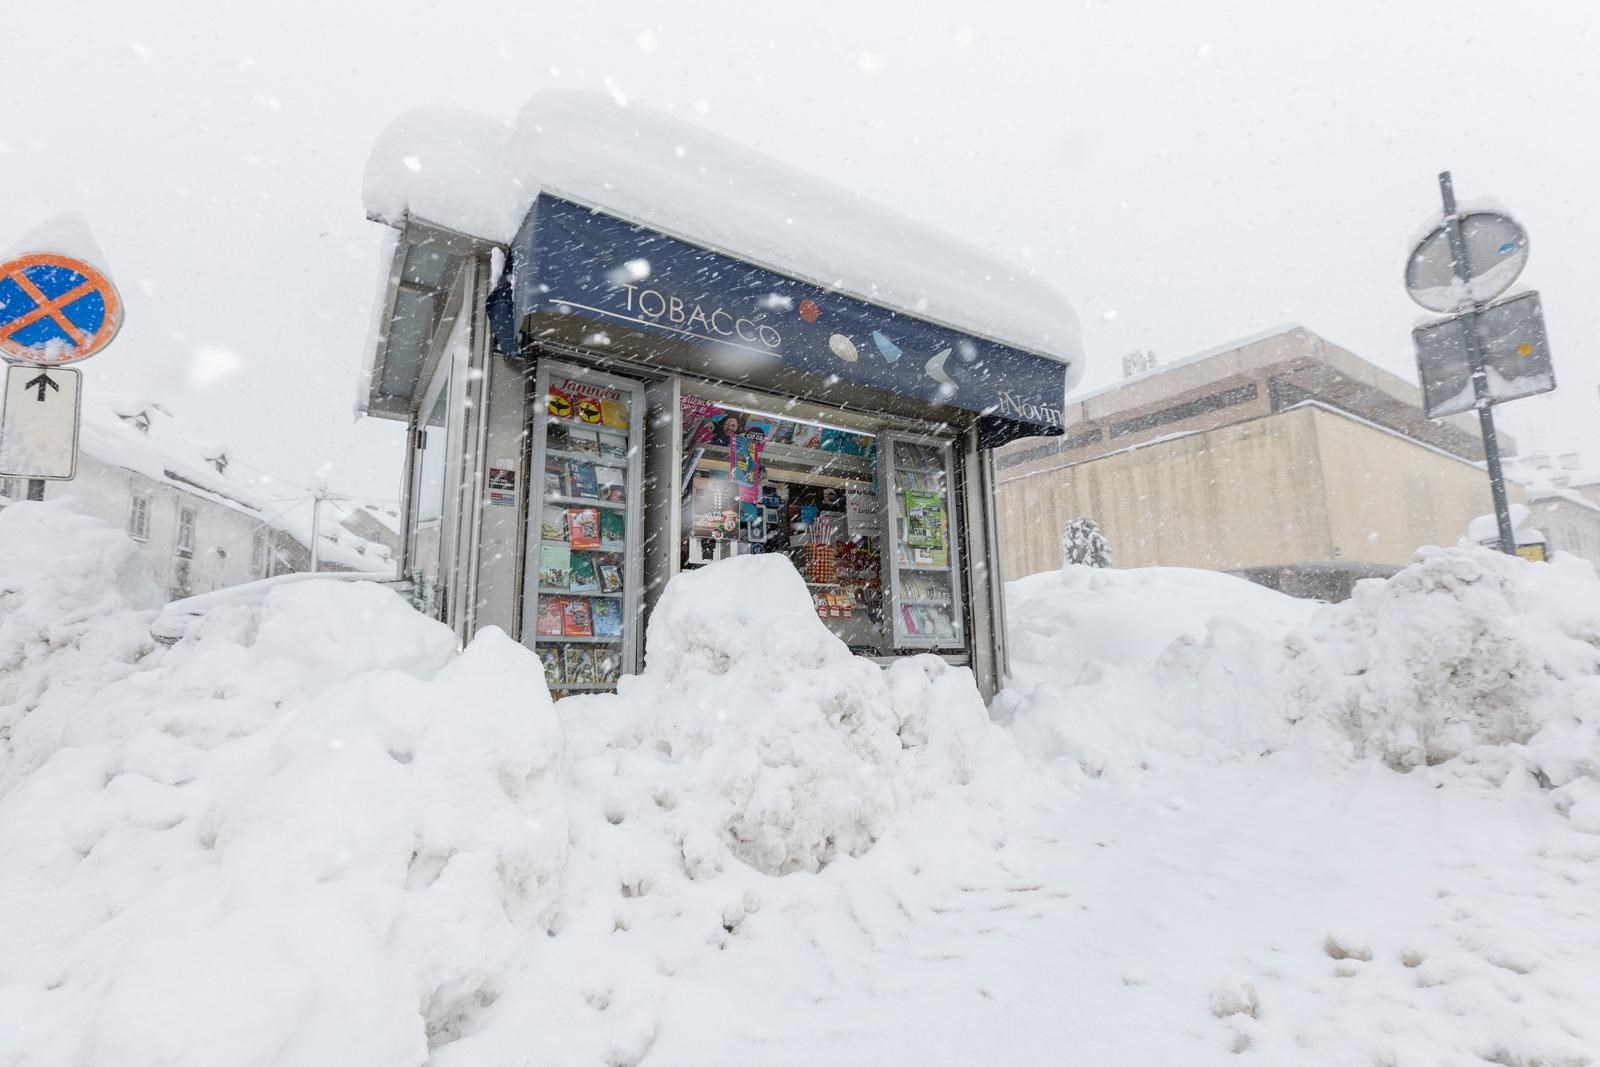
x,y
39,423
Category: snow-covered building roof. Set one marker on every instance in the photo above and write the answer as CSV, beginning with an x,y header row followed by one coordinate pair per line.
x,y
476,175
139,434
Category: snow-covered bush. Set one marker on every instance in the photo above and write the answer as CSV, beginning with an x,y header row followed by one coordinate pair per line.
x,y
1082,544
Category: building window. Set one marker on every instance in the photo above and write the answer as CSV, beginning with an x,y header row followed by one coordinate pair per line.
x,y
258,554
186,531
139,518
9,487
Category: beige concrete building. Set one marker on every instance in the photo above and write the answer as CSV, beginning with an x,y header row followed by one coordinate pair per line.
x,y
1283,457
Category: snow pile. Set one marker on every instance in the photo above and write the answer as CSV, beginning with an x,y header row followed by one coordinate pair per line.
x,y
479,175
795,751
1466,657
1115,670
311,832
303,834
1474,657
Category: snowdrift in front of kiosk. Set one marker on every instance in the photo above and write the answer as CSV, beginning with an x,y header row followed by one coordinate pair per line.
x,y
312,832
309,832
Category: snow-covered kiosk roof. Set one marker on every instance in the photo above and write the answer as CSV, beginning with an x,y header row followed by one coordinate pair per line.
x,y
467,179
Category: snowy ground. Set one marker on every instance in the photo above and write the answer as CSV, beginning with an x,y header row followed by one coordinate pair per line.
x,y
310,832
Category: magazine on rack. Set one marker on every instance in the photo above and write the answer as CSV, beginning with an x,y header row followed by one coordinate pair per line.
x,y
555,566
612,483
580,665
582,578
554,668
613,530
553,524
576,620
583,481
607,617
556,479
583,527
551,618
585,442
610,574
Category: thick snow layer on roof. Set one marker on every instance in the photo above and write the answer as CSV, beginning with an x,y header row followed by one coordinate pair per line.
x,y
478,175
67,234
138,434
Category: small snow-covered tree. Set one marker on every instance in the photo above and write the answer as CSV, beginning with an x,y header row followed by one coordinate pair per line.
x,y
1083,543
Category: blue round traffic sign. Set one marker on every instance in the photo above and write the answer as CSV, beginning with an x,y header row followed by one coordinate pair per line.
x,y
56,309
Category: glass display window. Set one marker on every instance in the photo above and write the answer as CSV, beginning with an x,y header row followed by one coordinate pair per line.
x,y
761,482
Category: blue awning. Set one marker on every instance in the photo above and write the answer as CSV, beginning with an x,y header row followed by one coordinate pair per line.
x,y
574,270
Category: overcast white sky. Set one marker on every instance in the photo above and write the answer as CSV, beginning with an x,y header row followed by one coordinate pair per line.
x,y
1186,173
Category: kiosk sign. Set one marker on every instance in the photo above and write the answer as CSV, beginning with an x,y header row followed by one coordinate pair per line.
x,y
55,309
746,323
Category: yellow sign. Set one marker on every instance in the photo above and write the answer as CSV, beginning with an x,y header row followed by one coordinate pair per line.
x,y
1533,553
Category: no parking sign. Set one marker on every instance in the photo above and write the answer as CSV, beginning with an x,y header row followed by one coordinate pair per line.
x,y
55,309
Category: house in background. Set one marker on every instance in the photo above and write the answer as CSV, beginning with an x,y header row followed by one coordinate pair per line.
x,y
200,523
1284,458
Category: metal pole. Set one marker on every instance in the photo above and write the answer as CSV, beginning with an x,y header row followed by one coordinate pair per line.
x,y
35,488
316,529
1480,376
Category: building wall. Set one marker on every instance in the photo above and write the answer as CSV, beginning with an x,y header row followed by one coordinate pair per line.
x,y
1246,495
222,535
1388,496
1307,485
1568,526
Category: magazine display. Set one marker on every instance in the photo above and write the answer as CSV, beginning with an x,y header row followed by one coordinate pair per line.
x,y
927,607
580,611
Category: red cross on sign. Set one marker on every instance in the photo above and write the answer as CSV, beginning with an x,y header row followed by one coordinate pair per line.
x,y
55,309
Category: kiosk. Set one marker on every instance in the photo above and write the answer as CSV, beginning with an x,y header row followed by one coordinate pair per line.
x,y
621,358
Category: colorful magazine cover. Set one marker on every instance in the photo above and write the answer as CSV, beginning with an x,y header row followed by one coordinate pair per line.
x,y
806,435
924,519
607,667
576,620
610,574
613,529
583,441
583,481
744,465
550,620
614,413
580,665
583,527
612,483
555,566
553,524
582,578
554,668
613,447
607,618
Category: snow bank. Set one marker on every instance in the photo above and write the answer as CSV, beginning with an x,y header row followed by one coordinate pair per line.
x,y
793,751
311,832
1482,665
305,833
479,175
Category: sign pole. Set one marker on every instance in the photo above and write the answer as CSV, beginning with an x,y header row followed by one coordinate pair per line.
x,y
1480,377
35,488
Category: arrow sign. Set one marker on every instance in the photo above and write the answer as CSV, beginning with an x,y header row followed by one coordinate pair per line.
x,y
41,381
39,440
